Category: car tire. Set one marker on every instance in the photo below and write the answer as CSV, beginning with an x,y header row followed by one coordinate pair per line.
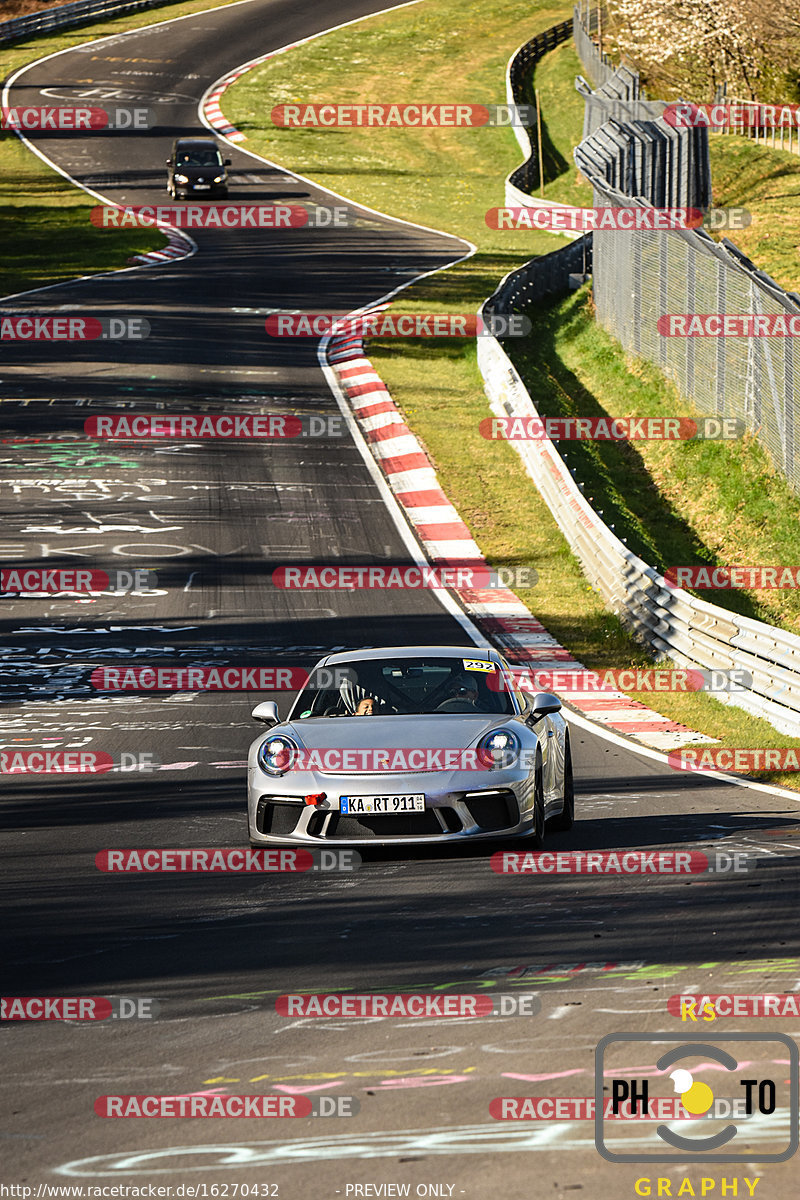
x,y
566,818
536,836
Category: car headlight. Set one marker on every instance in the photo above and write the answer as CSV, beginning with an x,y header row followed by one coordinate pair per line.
x,y
218,178
277,754
181,178
500,748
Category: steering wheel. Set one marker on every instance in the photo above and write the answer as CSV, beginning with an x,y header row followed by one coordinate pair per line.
x,y
455,704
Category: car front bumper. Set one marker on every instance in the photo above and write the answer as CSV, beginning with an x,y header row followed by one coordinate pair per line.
x,y
458,805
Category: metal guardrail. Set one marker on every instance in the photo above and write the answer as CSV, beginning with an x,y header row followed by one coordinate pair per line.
x,y
673,623
519,90
67,16
548,275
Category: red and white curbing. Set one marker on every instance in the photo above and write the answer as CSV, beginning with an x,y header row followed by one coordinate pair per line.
x,y
178,246
211,103
213,113
500,615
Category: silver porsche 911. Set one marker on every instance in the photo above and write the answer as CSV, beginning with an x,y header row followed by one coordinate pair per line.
x,y
410,744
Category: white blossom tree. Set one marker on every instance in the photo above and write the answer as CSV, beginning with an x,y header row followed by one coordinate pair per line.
x,y
692,46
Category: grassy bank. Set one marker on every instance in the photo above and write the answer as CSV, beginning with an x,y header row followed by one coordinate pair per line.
x,y
767,183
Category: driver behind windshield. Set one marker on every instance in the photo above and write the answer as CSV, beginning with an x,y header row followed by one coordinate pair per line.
x,y
198,158
414,687
462,696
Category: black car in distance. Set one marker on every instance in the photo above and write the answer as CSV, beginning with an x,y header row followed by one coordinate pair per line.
x,y
196,168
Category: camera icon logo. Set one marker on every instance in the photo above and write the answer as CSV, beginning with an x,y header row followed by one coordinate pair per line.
x,y
672,1091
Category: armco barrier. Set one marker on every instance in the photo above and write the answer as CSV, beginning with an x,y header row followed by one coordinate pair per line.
x,y
519,74
67,16
669,620
548,275
691,632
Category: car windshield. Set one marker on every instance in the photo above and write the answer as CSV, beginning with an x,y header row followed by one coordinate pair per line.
x,y
199,158
405,687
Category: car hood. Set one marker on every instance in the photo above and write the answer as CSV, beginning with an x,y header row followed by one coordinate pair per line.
x,y
200,172
336,741
429,732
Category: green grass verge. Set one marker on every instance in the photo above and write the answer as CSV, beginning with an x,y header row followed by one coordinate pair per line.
x,y
572,365
674,503
767,183
562,116
45,229
442,53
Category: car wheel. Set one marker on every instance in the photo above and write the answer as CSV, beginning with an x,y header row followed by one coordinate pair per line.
x,y
536,836
566,818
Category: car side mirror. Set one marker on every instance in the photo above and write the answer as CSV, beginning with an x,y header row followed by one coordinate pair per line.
x,y
227,162
544,703
266,711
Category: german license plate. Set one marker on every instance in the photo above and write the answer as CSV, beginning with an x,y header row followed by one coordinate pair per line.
x,y
382,804
202,187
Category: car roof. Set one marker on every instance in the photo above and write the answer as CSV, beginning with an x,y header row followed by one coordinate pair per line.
x,y
196,141
486,654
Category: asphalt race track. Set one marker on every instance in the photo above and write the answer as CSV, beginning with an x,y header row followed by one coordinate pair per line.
x,y
214,519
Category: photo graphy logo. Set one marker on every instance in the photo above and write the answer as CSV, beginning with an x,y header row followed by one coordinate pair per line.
x,y
714,1114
